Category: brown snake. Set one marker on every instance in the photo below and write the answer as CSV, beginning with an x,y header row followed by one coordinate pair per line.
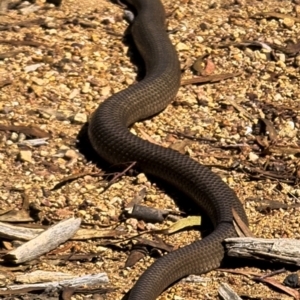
x,y
109,135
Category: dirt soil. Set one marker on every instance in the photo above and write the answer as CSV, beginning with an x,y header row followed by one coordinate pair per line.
x,y
58,64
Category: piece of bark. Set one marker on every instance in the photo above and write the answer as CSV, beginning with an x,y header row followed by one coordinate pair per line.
x,y
227,293
147,214
241,228
211,78
11,232
79,281
73,177
71,257
137,253
158,244
196,279
45,242
275,250
270,130
31,131
180,224
34,142
279,286
43,276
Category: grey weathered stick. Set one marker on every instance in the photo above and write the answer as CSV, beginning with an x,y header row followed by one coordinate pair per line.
x,y
12,232
227,293
45,242
280,250
43,276
86,281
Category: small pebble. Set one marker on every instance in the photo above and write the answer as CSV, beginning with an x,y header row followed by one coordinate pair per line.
x,y
141,178
14,137
38,81
25,155
181,46
71,154
105,91
288,22
86,88
253,157
80,118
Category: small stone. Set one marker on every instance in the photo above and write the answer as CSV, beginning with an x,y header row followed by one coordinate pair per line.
x,y
292,280
80,118
181,47
21,137
105,91
71,154
44,153
253,157
102,207
52,31
68,55
51,25
28,9
25,155
9,142
117,185
141,178
38,81
101,249
90,186
198,65
277,97
281,64
38,90
179,15
230,180
82,213
33,67
99,65
74,93
288,22
14,137
95,37
86,88
281,56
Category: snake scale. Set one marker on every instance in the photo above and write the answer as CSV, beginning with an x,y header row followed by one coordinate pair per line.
x,y
110,137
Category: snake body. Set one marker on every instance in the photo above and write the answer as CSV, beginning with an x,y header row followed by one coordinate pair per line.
x,y
110,137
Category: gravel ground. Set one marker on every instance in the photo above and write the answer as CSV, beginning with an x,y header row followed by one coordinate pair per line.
x,y
73,57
